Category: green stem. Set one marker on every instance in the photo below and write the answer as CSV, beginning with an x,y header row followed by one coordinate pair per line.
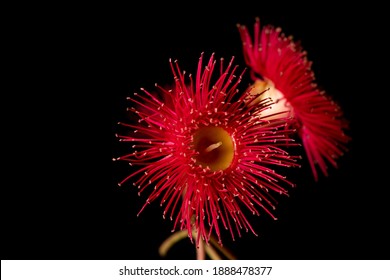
x,y
200,251
223,250
170,241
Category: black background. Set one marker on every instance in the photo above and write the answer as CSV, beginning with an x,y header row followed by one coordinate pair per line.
x,y
61,200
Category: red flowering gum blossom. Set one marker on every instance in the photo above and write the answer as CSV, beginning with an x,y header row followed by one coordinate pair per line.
x,y
205,153
280,65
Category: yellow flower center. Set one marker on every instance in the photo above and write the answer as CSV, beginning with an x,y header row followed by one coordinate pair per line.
x,y
215,148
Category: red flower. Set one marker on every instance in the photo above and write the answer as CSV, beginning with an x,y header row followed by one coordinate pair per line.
x,y
284,69
206,155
